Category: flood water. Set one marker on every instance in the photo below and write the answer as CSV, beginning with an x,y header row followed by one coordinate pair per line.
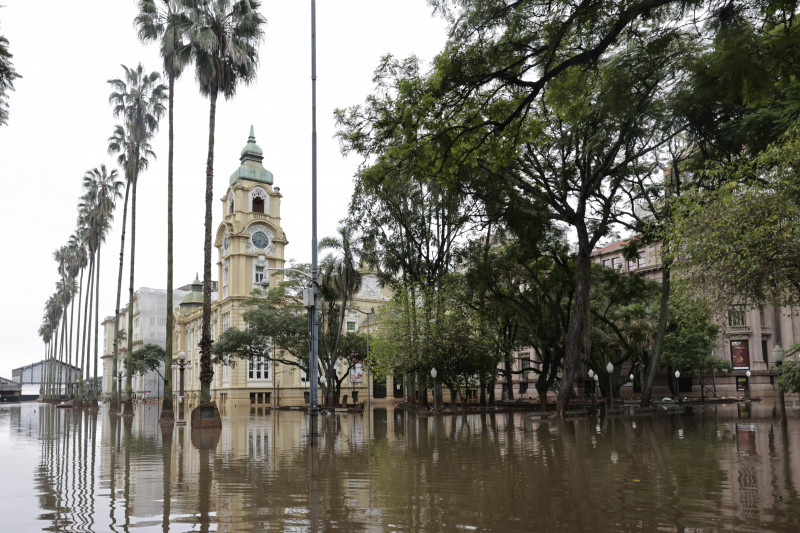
x,y
725,468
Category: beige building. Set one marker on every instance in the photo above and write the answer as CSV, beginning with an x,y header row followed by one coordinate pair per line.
x,y
748,335
250,241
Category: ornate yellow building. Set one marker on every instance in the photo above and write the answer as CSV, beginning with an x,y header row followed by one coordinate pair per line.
x,y
249,241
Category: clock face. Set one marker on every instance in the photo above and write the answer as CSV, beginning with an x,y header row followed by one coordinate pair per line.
x,y
260,239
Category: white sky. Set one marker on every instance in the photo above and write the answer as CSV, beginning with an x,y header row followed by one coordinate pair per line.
x,y
60,121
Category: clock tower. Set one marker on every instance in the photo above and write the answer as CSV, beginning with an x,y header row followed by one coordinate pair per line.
x,y
250,238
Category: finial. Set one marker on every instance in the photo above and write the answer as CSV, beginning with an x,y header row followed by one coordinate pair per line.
x,y
252,138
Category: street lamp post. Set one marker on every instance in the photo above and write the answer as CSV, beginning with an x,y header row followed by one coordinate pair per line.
x,y
777,356
119,387
366,361
677,386
747,385
591,377
181,364
435,396
610,369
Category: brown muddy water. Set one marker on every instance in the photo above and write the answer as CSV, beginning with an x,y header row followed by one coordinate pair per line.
x,y
725,468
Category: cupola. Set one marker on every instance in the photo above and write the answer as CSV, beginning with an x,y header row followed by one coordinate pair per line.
x,y
251,167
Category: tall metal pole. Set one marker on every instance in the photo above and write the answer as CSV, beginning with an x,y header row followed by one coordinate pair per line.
x,y
313,407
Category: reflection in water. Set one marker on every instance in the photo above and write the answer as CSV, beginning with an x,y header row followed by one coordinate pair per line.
x,y
396,470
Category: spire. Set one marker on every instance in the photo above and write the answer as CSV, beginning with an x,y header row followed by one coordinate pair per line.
x,y
251,167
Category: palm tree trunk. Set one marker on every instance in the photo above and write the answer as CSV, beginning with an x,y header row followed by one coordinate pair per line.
x,y
206,372
167,412
86,315
128,409
68,390
115,399
93,388
78,336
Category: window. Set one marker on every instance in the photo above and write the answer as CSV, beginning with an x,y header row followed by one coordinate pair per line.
x,y
525,362
351,326
642,261
616,264
607,263
230,203
258,205
225,277
736,315
632,265
303,376
226,321
259,276
257,368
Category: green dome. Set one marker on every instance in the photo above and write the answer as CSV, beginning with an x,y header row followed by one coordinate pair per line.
x,y
195,297
251,168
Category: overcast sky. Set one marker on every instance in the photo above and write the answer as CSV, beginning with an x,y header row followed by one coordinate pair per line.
x,y
60,121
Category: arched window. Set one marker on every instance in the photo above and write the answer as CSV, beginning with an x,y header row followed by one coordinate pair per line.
x,y
258,205
258,200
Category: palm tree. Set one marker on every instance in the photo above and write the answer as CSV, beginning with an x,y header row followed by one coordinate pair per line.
x,y
345,282
138,98
224,36
156,20
52,315
7,77
76,265
103,190
65,288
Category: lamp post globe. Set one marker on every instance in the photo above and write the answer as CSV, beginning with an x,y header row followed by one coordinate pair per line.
x,y
435,396
610,370
677,374
630,377
591,373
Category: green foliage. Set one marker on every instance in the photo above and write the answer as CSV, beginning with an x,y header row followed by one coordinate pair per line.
x,y
741,241
7,77
691,337
147,358
789,380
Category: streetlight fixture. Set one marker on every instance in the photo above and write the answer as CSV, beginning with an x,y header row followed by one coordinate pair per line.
x,y
677,386
777,355
592,375
747,388
435,396
181,364
610,370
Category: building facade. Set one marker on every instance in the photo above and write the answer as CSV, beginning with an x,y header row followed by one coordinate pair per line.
x,y
748,335
251,244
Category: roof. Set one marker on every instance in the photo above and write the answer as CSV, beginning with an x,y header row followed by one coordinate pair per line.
x,y
613,247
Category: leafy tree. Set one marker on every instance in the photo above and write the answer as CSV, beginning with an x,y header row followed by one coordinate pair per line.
x,y
148,358
741,241
158,21
278,319
7,77
224,37
691,337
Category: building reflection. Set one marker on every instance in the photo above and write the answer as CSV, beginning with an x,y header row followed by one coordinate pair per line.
x,y
400,470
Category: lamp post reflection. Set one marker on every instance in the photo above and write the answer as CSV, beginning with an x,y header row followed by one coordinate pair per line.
x,y
777,356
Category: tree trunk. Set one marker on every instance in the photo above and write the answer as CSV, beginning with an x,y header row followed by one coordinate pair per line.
x,y
128,408
661,331
206,372
577,345
93,388
167,410
87,313
115,399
